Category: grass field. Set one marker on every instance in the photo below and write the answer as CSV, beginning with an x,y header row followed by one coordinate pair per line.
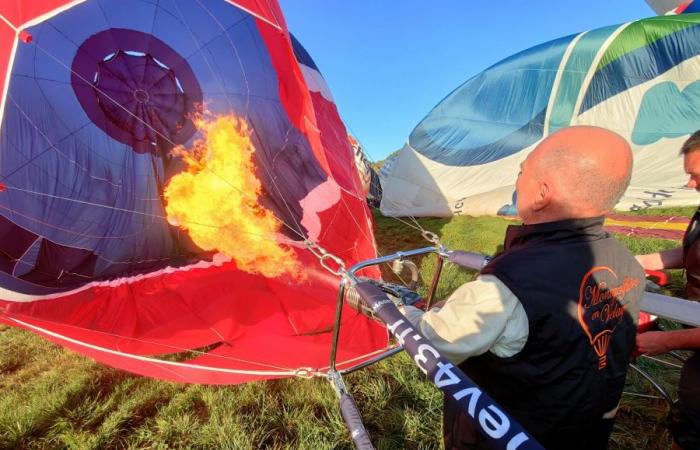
x,y
51,398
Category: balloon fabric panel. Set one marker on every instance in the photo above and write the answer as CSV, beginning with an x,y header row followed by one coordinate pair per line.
x,y
481,121
639,79
98,103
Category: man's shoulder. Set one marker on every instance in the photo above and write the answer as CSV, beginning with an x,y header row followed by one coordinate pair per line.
x,y
483,287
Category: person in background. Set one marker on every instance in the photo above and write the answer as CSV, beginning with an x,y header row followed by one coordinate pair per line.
x,y
548,327
685,417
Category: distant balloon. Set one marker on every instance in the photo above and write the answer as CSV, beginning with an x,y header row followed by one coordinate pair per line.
x,y
369,177
674,6
640,79
100,111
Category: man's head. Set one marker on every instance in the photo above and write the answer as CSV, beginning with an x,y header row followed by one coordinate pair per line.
x,y
577,172
691,160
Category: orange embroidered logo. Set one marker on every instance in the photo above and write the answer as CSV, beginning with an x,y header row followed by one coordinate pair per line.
x,y
600,307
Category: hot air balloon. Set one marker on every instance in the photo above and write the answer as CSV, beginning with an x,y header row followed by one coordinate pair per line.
x,y
138,140
368,176
639,79
674,6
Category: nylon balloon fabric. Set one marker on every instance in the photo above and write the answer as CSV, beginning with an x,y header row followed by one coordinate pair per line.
x,y
638,79
674,6
108,108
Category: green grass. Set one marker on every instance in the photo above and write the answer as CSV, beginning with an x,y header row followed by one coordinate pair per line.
x,y
684,211
51,398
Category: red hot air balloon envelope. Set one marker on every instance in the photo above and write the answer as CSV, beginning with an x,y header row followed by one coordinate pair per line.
x,y
95,96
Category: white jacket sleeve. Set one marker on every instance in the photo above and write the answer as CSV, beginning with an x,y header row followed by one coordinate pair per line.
x,y
480,316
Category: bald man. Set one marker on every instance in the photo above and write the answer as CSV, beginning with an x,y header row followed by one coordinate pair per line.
x,y
548,327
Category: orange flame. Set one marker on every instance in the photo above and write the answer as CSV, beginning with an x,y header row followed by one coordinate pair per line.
x,y
216,200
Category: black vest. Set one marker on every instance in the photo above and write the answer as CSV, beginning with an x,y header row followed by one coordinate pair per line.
x,y
580,289
691,257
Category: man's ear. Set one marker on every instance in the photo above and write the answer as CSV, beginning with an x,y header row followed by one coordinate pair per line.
x,y
543,197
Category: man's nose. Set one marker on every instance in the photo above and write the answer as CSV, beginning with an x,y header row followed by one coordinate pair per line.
x,y
692,183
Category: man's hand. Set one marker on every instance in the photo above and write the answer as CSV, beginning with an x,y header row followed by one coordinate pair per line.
x,y
667,259
653,343
407,297
403,296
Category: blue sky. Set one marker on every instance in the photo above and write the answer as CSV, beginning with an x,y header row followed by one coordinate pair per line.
x,y
389,62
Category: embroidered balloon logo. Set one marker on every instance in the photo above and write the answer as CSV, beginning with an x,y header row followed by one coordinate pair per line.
x,y
601,307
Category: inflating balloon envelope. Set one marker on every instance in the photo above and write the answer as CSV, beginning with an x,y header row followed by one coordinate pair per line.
x,y
166,168
639,79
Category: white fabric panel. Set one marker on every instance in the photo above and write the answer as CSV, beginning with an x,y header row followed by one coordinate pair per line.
x,y
418,186
316,83
664,6
658,178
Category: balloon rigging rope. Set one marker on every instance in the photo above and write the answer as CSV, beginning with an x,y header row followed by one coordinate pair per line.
x,y
371,239
416,225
